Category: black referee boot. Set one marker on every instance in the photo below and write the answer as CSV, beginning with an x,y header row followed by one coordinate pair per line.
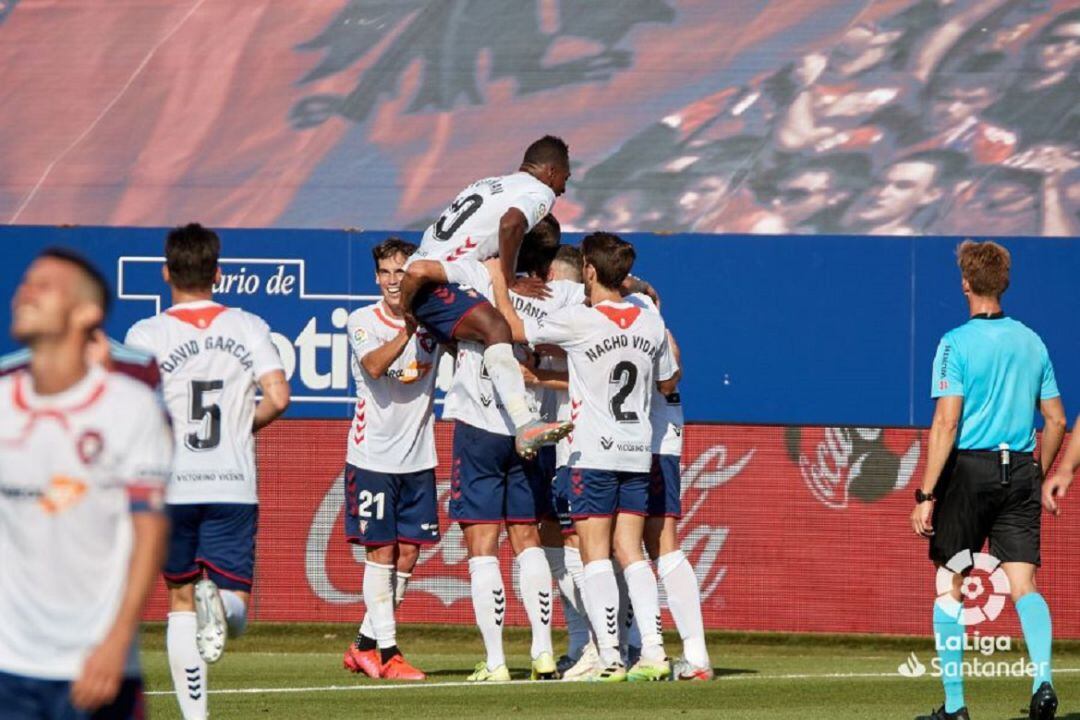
x,y
940,714
1043,703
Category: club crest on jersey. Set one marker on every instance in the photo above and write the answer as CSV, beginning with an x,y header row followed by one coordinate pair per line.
x,y
62,493
427,342
89,446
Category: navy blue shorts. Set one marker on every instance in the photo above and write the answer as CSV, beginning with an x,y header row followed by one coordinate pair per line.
x,y
489,482
384,508
440,308
560,500
665,487
602,493
25,698
217,537
541,473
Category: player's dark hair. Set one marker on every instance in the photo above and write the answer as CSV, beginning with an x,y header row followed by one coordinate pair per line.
x,y
539,246
191,254
102,294
985,265
611,257
548,150
391,247
570,255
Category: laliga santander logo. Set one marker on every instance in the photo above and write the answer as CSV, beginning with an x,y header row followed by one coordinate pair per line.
x,y
980,568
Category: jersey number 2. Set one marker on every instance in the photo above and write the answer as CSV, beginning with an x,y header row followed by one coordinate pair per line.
x,y
456,215
208,436
623,378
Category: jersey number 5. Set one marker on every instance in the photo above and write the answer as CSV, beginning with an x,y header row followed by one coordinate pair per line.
x,y
456,215
208,436
623,379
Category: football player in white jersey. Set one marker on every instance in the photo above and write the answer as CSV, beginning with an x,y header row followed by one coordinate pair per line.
x,y
391,503
84,458
211,358
492,485
664,510
614,351
489,219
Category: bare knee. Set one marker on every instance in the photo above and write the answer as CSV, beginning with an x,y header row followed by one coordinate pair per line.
x,y
481,539
627,554
408,555
522,536
181,597
382,554
485,325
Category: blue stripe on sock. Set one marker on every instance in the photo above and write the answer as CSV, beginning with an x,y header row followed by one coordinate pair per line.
x,y
949,642
1038,634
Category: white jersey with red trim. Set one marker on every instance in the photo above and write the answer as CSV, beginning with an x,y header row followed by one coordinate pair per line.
x,y
73,468
472,398
613,350
469,228
393,427
210,358
666,412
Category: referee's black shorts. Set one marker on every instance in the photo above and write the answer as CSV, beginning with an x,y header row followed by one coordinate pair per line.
x,y
973,505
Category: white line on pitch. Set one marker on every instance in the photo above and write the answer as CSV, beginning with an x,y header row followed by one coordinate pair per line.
x,y
432,686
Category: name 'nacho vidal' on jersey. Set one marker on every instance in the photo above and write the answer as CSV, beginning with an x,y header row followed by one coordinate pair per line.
x,y
616,352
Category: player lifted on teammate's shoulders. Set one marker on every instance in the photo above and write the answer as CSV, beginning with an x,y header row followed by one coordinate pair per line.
x,y
211,358
616,353
492,485
391,504
489,219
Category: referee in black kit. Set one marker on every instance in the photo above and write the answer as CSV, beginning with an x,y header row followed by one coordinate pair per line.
x,y
982,479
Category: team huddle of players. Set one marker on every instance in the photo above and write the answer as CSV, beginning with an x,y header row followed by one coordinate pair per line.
x,y
567,432
594,374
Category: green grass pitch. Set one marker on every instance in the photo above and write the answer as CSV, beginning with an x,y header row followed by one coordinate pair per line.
x,y
294,671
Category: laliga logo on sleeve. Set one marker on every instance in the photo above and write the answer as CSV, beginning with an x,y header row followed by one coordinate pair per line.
x,y
981,567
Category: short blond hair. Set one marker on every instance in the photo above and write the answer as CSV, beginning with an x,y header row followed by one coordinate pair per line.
x,y
985,265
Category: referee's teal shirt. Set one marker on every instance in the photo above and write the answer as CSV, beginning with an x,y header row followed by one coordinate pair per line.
x,y
1001,369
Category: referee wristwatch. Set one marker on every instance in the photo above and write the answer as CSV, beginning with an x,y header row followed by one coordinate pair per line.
x,y
921,497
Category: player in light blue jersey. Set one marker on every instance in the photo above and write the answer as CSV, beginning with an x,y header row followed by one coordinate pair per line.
x,y
982,478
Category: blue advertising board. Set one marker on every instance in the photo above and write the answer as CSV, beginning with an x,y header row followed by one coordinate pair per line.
x,y
773,329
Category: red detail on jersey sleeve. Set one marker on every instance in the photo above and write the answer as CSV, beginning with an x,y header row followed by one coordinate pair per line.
x,y
201,318
623,317
460,252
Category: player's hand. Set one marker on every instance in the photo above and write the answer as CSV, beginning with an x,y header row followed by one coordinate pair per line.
x,y
531,288
920,519
529,376
1054,489
410,324
101,675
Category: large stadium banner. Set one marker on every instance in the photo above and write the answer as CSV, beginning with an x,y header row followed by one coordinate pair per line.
x,y
796,529
873,117
775,330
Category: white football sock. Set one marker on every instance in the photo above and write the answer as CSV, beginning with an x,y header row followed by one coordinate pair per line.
x,y
684,601
509,383
235,612
401,581
366,628
573,606
645,597
534,577
489,605
379,602
187,666
602,598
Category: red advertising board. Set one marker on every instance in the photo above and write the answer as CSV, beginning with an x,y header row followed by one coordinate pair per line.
x,y
789,529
